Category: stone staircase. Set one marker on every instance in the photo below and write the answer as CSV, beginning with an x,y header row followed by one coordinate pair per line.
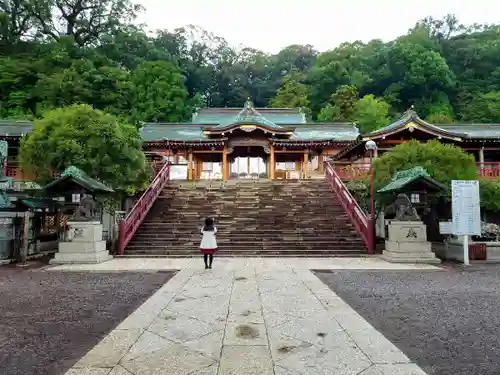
x,y
253,218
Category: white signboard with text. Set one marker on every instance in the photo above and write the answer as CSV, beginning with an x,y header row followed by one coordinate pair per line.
x,y
179,172
465,208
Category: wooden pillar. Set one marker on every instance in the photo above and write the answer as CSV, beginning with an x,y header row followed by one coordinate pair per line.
x,y
321,167
224,163
272,162
190,165
481,155
305,163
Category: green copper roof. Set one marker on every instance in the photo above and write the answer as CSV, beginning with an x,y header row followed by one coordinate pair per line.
x,y
405,178
15,128
82,179
40,203
477,131
278,116
4,200
184,132
248,115
466,131
326,131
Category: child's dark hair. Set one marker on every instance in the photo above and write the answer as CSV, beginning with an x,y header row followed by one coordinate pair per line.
x,y
209,225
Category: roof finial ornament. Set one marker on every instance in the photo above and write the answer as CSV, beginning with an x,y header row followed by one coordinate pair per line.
x,y
249,104
410,112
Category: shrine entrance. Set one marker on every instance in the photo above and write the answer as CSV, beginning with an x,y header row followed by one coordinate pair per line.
x,y
248,162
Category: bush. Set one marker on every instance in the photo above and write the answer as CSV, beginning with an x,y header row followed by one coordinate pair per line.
x,y
489,191
443,162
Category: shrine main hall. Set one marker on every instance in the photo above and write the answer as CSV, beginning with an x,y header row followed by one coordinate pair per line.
x,y
279,143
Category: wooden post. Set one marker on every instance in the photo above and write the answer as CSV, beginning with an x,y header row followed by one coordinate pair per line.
x,y
190,165
305,163
321,167
25,247
272,162
224,163
481,156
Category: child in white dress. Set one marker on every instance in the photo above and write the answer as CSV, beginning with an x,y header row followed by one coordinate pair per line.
x,y
208,245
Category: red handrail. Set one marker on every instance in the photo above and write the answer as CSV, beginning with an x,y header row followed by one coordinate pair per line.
x,y
135,217
364,225
488,169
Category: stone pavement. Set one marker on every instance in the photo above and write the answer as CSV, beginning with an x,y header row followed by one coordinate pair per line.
x,y
244,317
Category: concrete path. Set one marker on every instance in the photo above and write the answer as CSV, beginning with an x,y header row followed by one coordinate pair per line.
x,y
244,317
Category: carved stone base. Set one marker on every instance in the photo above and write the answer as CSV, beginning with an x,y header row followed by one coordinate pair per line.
x,y
85,245
407,243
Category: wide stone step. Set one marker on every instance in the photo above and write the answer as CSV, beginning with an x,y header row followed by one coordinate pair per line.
x,y
250,253
276,247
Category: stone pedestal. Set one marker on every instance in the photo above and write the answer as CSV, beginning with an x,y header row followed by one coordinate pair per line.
x,y
84,245
407,243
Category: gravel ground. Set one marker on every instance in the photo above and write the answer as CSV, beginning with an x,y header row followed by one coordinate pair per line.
x,y
49,320
447,322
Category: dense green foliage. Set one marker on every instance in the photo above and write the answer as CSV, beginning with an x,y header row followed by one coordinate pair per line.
x,y
443,162
489,191
94,141
55,53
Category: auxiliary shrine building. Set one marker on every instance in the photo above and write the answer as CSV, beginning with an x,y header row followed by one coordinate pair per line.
x,y
279,143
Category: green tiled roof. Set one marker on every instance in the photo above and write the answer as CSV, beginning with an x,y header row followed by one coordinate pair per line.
x,y
166,131
326,131
402,179
82,179
4,200
475,131
15,128
467,131
278,116
40,203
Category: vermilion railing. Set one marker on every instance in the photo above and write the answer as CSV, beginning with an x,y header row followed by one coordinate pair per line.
x,y
359,171
363,224
488,170
135,217
352,171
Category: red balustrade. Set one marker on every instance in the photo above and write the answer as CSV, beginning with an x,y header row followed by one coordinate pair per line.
x,y
352,171
488,170
136,216
363,224
359,171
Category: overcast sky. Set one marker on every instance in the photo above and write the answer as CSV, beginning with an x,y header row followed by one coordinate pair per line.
x,y
270,25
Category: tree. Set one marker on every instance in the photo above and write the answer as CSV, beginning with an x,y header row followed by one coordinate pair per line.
x,y
98,143
160,94
86,21
293,94
483,108
343,106
371,113
443,162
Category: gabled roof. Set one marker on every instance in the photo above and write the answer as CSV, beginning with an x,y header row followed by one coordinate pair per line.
x,y
15,128
410,120
279,116
406,178
80,178
247,118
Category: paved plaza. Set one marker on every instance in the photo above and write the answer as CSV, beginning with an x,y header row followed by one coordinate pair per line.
x,y
245,316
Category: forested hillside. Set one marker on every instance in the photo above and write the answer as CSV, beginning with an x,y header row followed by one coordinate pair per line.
x,y
58,52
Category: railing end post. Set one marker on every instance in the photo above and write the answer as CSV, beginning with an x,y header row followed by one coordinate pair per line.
x,y
121,237
371,235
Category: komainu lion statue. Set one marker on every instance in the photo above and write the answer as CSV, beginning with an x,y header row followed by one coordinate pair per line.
x,y
404,210
86,210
